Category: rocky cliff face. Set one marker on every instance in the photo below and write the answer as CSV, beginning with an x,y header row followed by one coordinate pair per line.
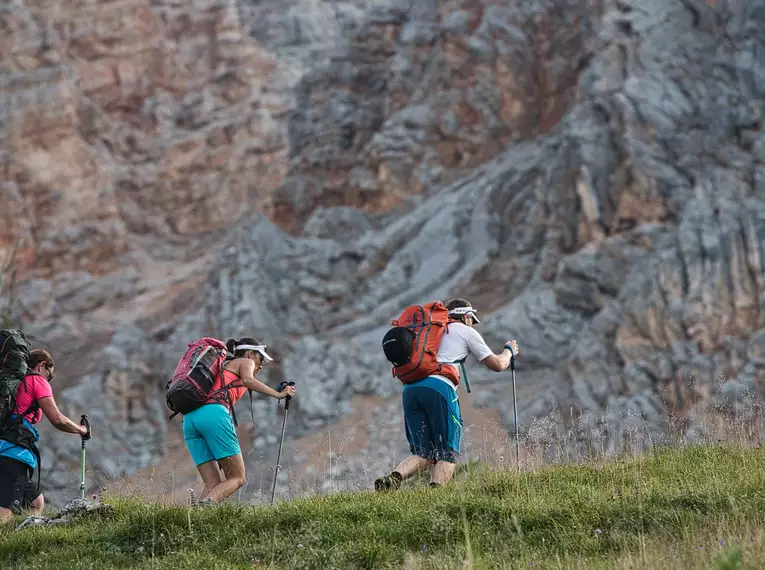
x,y
425,91
590,174
133,132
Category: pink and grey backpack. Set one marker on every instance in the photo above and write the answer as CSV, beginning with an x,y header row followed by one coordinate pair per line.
x,y
196,376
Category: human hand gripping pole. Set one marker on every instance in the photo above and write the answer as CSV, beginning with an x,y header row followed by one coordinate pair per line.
x,y
287,399
83,422
515,406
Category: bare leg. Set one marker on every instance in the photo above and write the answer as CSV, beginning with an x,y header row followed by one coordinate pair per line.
x,y
233,469
210,473
408,467
6,515
442,472
36,507
412,465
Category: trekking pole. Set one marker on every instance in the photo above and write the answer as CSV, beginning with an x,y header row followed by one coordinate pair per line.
x,y
279,388
515,412
83,422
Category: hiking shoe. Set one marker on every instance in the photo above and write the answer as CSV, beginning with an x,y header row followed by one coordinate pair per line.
x,y
203,503
388,483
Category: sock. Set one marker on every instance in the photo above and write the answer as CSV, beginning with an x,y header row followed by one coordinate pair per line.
x,y
397,476
434,484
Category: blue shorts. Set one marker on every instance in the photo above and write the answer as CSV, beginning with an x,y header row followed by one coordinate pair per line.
x,y
210,434
433,420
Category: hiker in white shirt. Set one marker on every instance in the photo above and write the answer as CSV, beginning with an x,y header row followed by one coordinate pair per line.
x,y
431,405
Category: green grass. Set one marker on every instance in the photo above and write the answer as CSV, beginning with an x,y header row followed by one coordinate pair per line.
x,y
669,509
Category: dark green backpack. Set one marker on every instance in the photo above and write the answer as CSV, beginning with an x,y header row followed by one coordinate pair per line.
x,y
14,353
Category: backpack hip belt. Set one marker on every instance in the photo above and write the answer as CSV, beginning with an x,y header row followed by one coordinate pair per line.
x,y
19,435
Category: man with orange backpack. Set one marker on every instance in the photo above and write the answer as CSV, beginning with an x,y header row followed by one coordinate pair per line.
x,y
424,344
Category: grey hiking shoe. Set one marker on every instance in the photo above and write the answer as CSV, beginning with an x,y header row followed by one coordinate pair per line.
x,y
389,482
194,502
203,503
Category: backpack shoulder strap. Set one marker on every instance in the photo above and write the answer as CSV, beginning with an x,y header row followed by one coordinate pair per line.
x,y
222,392
33,407
17,418
238,383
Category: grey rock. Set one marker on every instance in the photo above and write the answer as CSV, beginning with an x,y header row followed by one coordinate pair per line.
x,y
481,48
756,348
733,393
343,223
417,33
456,22
73,511
398,80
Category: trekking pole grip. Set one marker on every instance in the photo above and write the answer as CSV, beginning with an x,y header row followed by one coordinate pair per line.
x,y
512,356
281,387
84,422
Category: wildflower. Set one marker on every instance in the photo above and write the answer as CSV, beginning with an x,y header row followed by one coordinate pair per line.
x,y
597,532
722,542
423,548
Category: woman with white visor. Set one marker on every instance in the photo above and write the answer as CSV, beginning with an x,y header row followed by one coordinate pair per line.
x,y
209,431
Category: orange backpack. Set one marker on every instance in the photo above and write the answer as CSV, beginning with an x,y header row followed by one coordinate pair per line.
x,y
412,344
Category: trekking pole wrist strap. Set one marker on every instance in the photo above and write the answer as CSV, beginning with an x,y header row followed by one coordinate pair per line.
x,y
510,348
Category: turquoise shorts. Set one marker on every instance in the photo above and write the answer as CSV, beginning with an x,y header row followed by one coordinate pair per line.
x,y
432,419
210,434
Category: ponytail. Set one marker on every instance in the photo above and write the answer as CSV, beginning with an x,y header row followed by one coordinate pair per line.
x,y
231,345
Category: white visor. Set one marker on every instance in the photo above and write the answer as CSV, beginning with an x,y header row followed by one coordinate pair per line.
x,y
261,348
465,311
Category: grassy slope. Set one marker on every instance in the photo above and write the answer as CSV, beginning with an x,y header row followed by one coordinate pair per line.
x,y
669,509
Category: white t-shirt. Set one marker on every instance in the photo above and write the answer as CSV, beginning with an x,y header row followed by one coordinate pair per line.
x,y
458,342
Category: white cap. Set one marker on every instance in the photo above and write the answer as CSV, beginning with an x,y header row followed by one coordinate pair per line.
x,y
261,348
465,311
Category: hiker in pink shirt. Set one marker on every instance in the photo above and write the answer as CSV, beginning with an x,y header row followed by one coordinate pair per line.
x,y
19,456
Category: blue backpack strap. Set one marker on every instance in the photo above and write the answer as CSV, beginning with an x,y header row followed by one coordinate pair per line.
x,y
463,373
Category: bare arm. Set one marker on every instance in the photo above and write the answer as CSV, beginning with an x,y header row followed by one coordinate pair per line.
x,y
497,362
59,420
247,374
500,362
